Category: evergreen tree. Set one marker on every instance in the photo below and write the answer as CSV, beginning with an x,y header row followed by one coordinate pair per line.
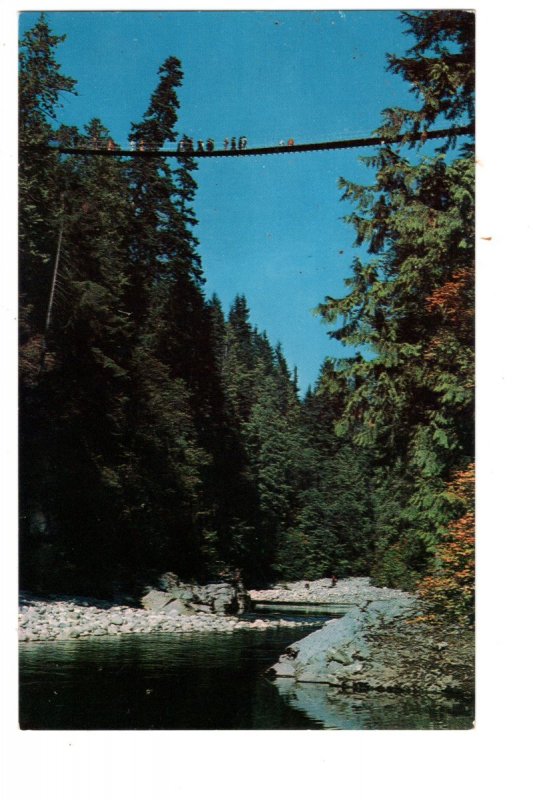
x,y
239,379
175,336
332,528
411,306
440,68
85,383
41,85
271,446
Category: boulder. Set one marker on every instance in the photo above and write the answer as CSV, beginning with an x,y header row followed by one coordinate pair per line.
x,y
220,598
184,593
385,646
177,606
155,600
224,604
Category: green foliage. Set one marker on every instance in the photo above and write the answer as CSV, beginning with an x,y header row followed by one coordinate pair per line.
x,y
41,86
450,587
159,435
114,446
440,69
411,307
332,529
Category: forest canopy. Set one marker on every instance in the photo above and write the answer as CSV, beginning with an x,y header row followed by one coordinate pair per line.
x,y
159,433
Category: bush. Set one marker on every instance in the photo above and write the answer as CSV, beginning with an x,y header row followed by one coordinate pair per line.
x,y
450,589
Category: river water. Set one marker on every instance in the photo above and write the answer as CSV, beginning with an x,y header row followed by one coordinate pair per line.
x,y
201,681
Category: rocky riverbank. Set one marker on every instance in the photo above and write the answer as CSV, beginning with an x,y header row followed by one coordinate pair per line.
x,y
72,618
347,591
172,606
384,645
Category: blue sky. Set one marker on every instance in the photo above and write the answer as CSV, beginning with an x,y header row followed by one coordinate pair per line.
x,y
270,227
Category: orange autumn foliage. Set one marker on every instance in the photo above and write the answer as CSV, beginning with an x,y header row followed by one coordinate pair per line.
x,y
450,588
449,298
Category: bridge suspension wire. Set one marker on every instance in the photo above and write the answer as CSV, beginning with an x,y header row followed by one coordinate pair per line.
x,y
341,144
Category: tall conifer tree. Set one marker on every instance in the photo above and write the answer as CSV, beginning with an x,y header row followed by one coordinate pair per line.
x,y
41,86
411,305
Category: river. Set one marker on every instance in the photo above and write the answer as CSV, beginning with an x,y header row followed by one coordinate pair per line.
x,y
201,681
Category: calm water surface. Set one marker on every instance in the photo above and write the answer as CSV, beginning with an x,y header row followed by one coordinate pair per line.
x,y
199,681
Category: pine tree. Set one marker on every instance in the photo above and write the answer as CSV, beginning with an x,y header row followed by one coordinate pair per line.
x,y
41,85
175,336
239,363
411,305
440,69
270,444
89,384
332,528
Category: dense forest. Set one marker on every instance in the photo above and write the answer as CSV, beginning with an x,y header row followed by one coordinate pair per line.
x,y
158,433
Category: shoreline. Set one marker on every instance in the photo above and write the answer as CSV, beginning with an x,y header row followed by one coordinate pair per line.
x,y
353,591
68,619
384,646
61,617
382,642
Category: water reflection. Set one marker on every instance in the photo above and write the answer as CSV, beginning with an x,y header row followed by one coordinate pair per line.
x,y
375,710
199,681
206,681
319,611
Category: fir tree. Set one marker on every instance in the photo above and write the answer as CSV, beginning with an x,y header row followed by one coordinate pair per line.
x,y
440,68
332,526
41,85
411,305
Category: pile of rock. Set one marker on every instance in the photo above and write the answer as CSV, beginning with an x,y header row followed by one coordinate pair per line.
x,y
170,594
78,618
349,591
385,646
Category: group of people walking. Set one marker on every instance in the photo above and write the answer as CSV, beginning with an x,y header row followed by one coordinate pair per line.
x,y
185,145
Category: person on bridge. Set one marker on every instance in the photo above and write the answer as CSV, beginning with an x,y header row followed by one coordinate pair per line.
x,y
226,143
243,142
291,143
233,143
210,145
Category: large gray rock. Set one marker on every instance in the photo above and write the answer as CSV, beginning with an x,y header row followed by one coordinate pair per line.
x,y
155,600
220,598
310,659
323,654
383,646
177,606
